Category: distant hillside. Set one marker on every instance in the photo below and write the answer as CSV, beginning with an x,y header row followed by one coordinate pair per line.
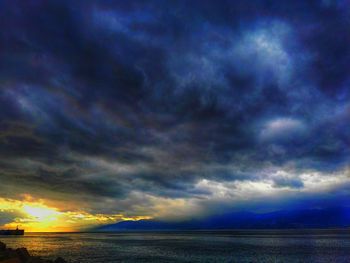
x,y
311,218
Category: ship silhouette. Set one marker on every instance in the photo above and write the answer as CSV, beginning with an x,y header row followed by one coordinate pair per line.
x,y
12,232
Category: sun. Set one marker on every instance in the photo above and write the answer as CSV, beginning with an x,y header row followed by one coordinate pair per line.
x,y
41,212
35,215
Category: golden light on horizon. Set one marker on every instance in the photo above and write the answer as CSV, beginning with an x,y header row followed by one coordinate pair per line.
x,y
41,212
35,216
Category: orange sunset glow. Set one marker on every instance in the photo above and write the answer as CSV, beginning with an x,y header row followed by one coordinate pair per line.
x,y
36,216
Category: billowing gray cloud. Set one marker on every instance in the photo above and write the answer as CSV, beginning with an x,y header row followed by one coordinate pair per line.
x,y
109,101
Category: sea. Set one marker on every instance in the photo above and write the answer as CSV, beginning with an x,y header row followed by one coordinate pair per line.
x,y
190,246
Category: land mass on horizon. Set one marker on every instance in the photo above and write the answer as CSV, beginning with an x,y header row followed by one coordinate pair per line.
x,y
335,217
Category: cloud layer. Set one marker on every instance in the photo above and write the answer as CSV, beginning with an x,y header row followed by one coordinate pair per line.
x,y
174,109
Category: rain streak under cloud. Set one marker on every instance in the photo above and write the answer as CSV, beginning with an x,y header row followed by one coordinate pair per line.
x,y
114,110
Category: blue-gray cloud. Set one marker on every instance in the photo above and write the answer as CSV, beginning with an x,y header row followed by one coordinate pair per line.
x,y
102,99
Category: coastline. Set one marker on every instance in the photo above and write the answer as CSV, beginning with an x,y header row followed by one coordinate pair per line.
x,y
21,255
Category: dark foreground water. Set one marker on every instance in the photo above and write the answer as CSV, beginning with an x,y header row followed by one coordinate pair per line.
x,y
214,246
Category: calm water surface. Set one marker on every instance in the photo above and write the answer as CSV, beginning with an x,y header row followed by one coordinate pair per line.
x,y
220,246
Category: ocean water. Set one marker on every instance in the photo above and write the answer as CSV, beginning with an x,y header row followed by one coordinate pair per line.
x,y
201,246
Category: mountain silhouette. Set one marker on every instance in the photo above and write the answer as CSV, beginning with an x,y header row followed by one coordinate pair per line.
x,y
335,217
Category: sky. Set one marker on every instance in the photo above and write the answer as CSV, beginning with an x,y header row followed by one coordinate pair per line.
x,y
172,110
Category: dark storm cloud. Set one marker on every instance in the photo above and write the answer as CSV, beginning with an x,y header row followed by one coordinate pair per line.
x,y
8,217
103,98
